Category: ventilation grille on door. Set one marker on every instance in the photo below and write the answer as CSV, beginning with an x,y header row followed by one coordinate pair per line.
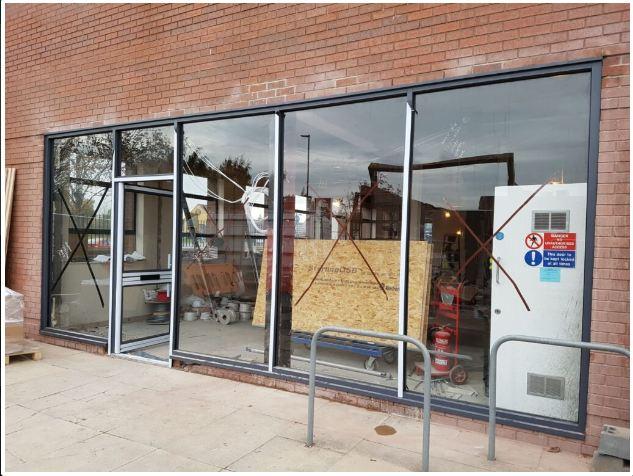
x,y
546,386
550,221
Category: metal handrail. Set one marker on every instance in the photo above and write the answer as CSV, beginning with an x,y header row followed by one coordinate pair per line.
x,y
492,415
426,423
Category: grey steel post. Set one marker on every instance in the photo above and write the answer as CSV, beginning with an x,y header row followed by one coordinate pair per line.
x,y
426,423
492,372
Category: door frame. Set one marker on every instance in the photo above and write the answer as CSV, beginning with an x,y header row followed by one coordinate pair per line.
x,y
115,346
122,279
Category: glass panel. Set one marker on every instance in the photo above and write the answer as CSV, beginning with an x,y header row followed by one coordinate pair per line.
x,y
147,229
225,251
341,246
479,154
145,311
80,234
147,151
158,184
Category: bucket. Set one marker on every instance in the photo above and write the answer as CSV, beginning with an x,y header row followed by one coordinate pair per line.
x,y
246,316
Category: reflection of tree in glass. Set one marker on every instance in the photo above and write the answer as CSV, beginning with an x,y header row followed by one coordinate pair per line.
x,y
82,166
149,149
236,168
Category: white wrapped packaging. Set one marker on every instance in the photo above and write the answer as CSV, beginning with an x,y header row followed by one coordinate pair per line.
x,y
13,306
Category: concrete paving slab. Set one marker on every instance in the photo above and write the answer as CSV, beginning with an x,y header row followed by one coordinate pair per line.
x,y
340,439
280,404
58,411
23,370
149,376
46,385
283,454
14,416
333,415
43,403
229,438
450,451
370,456
169,421
164,461
100,414
11,461
563,461
100,388
214,390
43,435
408,433
105,452
98,365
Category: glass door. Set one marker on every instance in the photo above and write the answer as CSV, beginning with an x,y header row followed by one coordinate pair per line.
x,y
144,260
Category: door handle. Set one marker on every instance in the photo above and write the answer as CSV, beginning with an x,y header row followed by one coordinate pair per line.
x,y
497,275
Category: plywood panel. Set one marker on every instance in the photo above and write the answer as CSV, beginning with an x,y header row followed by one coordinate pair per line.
x,y
346,294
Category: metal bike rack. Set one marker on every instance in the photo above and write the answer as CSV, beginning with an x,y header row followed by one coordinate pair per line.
x,y
426,423
534,340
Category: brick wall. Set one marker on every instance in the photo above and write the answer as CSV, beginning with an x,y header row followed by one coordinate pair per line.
x,y
78,65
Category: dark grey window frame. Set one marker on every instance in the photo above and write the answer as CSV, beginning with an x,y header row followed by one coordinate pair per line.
x,y
479,412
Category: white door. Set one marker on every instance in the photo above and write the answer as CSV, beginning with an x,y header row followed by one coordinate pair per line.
x,y
542,249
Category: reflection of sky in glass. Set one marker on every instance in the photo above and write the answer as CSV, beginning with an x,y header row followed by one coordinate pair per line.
x,y
344,140
252,138
543,122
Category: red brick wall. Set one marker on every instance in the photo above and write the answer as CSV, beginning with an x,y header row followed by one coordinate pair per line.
x,y
77,66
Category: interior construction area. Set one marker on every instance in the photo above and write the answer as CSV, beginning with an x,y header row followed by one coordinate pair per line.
x,y
168,252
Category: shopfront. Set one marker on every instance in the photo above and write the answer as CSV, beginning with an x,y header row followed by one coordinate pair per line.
x,y
455,211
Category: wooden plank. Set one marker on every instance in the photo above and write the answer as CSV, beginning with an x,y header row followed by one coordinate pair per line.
x,y
346,294
8,203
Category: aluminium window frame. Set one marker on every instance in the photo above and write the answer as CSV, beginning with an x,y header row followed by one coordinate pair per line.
x,y
479,412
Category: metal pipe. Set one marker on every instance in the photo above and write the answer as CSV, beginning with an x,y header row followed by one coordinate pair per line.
x,y
374,373
426,423
492,372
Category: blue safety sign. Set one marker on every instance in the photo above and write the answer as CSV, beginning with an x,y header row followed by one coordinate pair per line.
x,y
533,258
559,259
549,275
500,236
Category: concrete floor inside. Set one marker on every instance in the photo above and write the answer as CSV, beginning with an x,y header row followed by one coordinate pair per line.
x,y
74,411
243,341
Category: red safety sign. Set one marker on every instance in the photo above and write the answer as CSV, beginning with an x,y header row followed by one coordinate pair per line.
x,y
533,241
560,241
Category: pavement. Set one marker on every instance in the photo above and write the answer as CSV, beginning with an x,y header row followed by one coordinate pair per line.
x,y
74,411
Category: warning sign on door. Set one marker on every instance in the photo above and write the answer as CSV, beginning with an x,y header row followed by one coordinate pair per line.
x,y
533,241
559,259
560,241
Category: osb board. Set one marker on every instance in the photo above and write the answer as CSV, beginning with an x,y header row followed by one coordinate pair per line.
x,y
206,279
346,294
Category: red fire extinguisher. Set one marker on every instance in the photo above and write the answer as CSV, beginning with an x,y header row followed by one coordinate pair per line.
x,y
442,342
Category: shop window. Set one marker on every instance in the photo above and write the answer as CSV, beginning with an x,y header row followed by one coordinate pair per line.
x,y
226,200
341,237
79,266
514,152
147,151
